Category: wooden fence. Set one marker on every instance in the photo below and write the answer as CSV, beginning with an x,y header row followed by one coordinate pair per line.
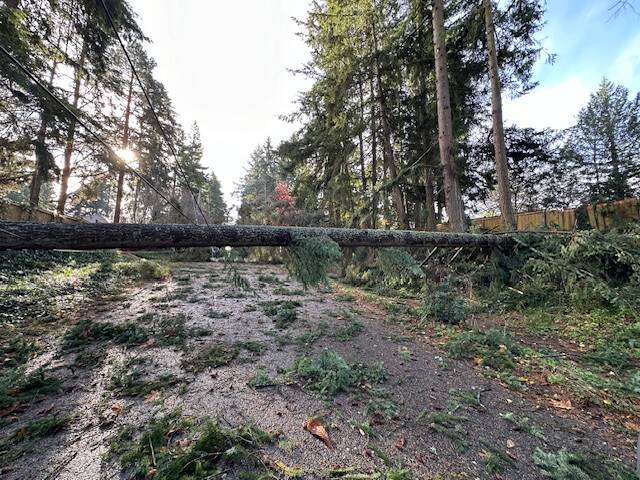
x,y
600,216
17,212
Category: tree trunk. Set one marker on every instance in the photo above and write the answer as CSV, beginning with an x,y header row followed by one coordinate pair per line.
x,y
387,148
363,171
430,211
374,156
42,162
125,145
452,192
502,170
45,236
68,147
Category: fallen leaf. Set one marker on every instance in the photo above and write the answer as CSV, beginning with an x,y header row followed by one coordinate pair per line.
x,y
510,443
315,428
20,434
116,408
562,404
400,443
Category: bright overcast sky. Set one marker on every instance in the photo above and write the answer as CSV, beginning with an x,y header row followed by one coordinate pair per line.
x,y
225,66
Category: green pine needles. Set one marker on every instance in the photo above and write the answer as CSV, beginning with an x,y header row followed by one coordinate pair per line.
x,y
310,259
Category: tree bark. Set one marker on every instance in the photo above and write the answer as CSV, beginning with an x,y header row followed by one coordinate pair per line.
x,y
125,145
363,171
452,192
46,236
430,211
374,156
68,147
502,170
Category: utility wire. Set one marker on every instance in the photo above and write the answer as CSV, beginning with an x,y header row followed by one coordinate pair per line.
x,y
153,111
35,79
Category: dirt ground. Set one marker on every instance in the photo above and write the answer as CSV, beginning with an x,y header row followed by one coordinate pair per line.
x,y
419,378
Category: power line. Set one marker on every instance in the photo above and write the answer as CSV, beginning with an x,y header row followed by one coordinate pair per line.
x,y
35,79
144,91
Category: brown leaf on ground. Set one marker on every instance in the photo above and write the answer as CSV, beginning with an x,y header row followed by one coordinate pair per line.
x,y
152,396
315,428
561,404
20,434
400,443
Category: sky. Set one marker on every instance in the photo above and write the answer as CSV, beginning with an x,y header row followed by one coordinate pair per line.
x,y
226,65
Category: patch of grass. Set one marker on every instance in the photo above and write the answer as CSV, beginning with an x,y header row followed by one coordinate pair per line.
x,y
87,332
349,331
42,287
213,356
18,387
329,374
566,465
175,447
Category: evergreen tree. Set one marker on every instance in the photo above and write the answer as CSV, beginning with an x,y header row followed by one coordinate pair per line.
x,y
604,144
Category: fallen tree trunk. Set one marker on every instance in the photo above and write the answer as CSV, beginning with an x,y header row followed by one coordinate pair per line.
x,y
49,236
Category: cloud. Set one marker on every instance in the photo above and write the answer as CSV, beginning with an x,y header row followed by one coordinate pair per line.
x,y
626,67
554,106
